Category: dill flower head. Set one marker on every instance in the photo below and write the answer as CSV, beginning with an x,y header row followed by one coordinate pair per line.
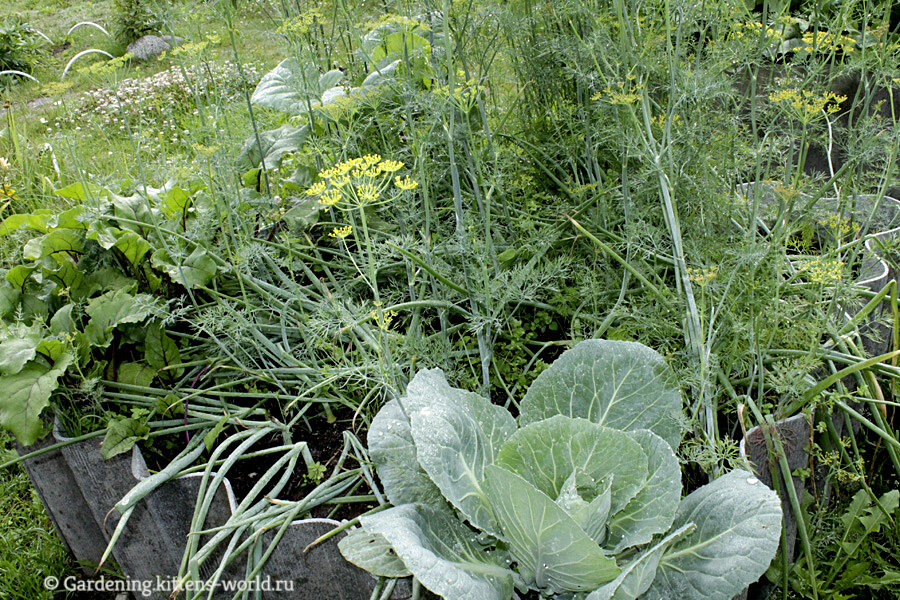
x,y
341,232
807,106
358,182
822,270
405,183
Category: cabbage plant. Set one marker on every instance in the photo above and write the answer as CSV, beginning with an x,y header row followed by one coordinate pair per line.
x,y
580,498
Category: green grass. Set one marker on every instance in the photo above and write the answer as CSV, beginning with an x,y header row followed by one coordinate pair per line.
x,y
576,169
29,547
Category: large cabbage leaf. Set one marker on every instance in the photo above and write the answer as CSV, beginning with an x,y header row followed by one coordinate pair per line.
x,y
552,552
393,451
652,510
457,434
292,87
442,553
738,527
624,385
638,574
372,552
547,452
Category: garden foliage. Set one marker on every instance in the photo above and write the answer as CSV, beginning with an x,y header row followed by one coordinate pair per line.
x,y
583,494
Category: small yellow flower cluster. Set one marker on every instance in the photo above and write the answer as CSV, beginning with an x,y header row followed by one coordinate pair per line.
x,y
751,30
359,181
341,232
195,49
806,106
703,275
788,192
822,270
301,24
619,94
109,67
7,192
825,41
660,120
384,319
839,225
405,183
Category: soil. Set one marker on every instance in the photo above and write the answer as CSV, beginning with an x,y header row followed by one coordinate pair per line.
x,y
326,442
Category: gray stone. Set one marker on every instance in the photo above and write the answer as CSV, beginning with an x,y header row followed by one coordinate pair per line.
x,y
794,434
151,46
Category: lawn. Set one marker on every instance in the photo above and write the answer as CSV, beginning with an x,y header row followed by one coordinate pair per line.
x,y
435,269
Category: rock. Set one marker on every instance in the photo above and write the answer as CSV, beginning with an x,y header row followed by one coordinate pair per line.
x,y
151,46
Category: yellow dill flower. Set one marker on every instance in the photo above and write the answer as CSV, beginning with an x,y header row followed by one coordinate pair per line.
x,y
369,160
372,172
619,95
805,105
389,166
329,198
822,270
340,181
405,183
341,232
367,192
703,275
316,189
384,319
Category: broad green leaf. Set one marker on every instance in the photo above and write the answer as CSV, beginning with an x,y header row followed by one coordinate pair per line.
x,y
372,552
303,215
398,45
19,274
197,269
19,347
652,510
624,385
123,433
53,349
9,298
74,218
738,527
552,552
77,191
271,146
545,454
209,440
132,246
135,208
382,74
66,241
457,434
291,87
591,516
441,552
393,452
37,221
176,201
160,350
134,373
638,574
62,322
25,395
115,308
